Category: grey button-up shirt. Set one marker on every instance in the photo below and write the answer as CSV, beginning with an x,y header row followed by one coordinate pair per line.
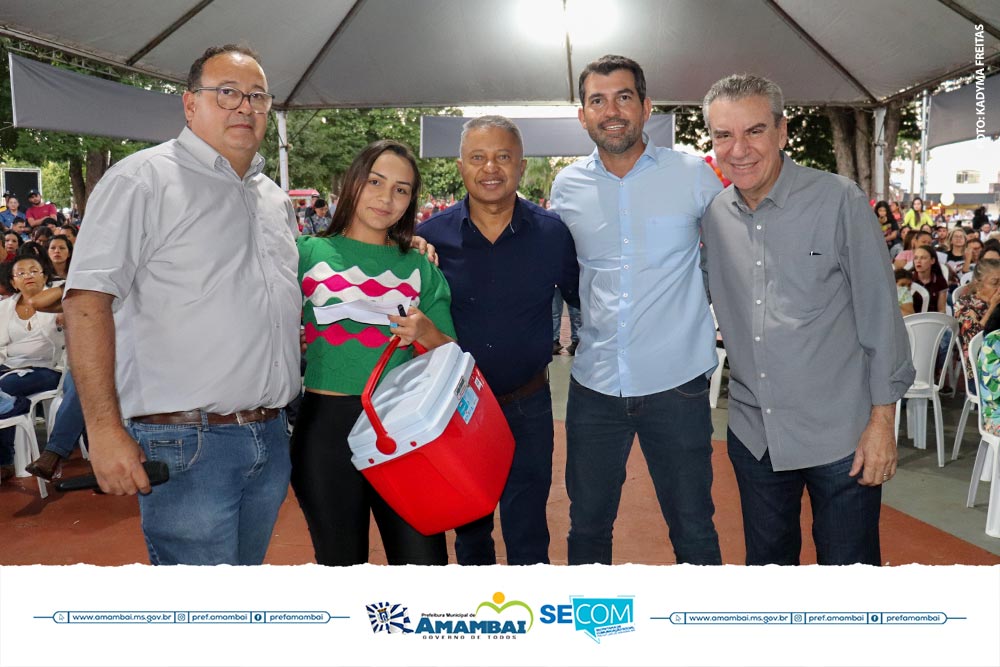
x,y
202,265
804,294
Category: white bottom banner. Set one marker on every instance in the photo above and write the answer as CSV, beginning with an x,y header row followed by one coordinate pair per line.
x,y
595,615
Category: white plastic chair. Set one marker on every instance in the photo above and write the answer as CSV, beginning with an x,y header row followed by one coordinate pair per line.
x,y
925,297
989,450
971,393
25,446
926,331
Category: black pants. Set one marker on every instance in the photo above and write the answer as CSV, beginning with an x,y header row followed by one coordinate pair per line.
x,y
337,500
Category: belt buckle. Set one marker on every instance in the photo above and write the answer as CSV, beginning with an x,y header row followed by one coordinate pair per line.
x,y
239,418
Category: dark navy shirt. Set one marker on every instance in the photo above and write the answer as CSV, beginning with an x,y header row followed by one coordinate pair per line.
x,y
501,292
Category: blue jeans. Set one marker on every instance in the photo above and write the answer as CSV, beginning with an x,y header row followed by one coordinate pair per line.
x,y
675,434
845,514
19,387
68,425
526,494
575,319
221,501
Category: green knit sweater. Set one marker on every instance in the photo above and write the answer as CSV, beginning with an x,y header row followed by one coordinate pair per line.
x,y
340,356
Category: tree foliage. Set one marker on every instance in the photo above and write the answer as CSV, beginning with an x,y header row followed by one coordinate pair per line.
x,y
322,145
813,139
538,176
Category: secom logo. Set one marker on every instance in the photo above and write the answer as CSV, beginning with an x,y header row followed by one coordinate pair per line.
x,y
597,617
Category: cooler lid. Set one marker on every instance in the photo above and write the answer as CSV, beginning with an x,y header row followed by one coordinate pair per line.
x,y
415,402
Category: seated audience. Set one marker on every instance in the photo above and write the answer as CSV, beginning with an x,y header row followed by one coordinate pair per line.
x,y
69,231
41,235
913,240
68,425
916,218
11,244
31,347
977,303
320,219
903,293
927,273
989,371
962,272
991,250
60,252
890,229
12,213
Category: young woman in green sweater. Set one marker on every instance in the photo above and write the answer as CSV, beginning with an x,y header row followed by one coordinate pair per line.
x,y
365,255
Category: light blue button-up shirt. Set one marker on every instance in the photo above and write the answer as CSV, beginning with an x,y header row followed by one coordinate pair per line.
x,y
646,323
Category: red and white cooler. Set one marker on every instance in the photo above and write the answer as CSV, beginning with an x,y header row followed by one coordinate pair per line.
x,y
433,440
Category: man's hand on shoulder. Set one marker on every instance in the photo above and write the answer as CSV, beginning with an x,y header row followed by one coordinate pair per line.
x,y
420,244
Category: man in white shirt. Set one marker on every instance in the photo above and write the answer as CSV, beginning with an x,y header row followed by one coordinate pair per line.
x,y
184,307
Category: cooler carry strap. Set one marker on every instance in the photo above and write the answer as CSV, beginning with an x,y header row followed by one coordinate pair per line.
x,y
383,442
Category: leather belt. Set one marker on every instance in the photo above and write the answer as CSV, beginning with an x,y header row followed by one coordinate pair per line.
x,y
536,382
194,417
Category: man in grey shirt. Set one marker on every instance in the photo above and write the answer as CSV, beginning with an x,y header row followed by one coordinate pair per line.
x,y
803,290
183,311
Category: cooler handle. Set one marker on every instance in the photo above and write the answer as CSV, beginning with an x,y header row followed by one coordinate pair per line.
x,y
383,442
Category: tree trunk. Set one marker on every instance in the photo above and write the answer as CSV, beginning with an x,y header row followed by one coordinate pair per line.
x,y
843,151
98,162
78,184
863,149
893,121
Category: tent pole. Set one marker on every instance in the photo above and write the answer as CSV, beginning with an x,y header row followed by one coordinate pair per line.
x,y
924,131
879,133
282,148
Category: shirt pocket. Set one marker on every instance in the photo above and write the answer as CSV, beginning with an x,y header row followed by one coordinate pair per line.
x,y
806,284
667,235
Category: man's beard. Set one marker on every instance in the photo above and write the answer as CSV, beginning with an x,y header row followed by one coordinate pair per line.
x,y
616,145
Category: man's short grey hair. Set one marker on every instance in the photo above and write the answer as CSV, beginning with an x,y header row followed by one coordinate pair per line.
x,y
485,122
741,86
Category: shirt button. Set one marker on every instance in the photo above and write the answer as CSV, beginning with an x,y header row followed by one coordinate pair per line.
x,y
626,267
757,338
623,325
621,184
759,227
624,211
763,375
768,411
625,241
758,302
759,262
625,295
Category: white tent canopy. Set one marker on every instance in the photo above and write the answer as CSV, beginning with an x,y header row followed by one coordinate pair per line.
x,y
343,53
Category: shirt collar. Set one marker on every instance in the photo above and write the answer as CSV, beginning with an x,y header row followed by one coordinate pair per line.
x,y
210,157
517,219
648,154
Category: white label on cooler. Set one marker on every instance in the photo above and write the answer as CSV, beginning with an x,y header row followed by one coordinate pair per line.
x,y
468,404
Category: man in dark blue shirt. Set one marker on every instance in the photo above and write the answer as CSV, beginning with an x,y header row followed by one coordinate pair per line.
x,y
504,258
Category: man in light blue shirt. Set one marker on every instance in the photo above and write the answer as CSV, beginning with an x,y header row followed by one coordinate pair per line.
x,y
647,343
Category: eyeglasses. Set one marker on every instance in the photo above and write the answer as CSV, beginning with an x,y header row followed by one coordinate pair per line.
x,y
25,274
231,99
